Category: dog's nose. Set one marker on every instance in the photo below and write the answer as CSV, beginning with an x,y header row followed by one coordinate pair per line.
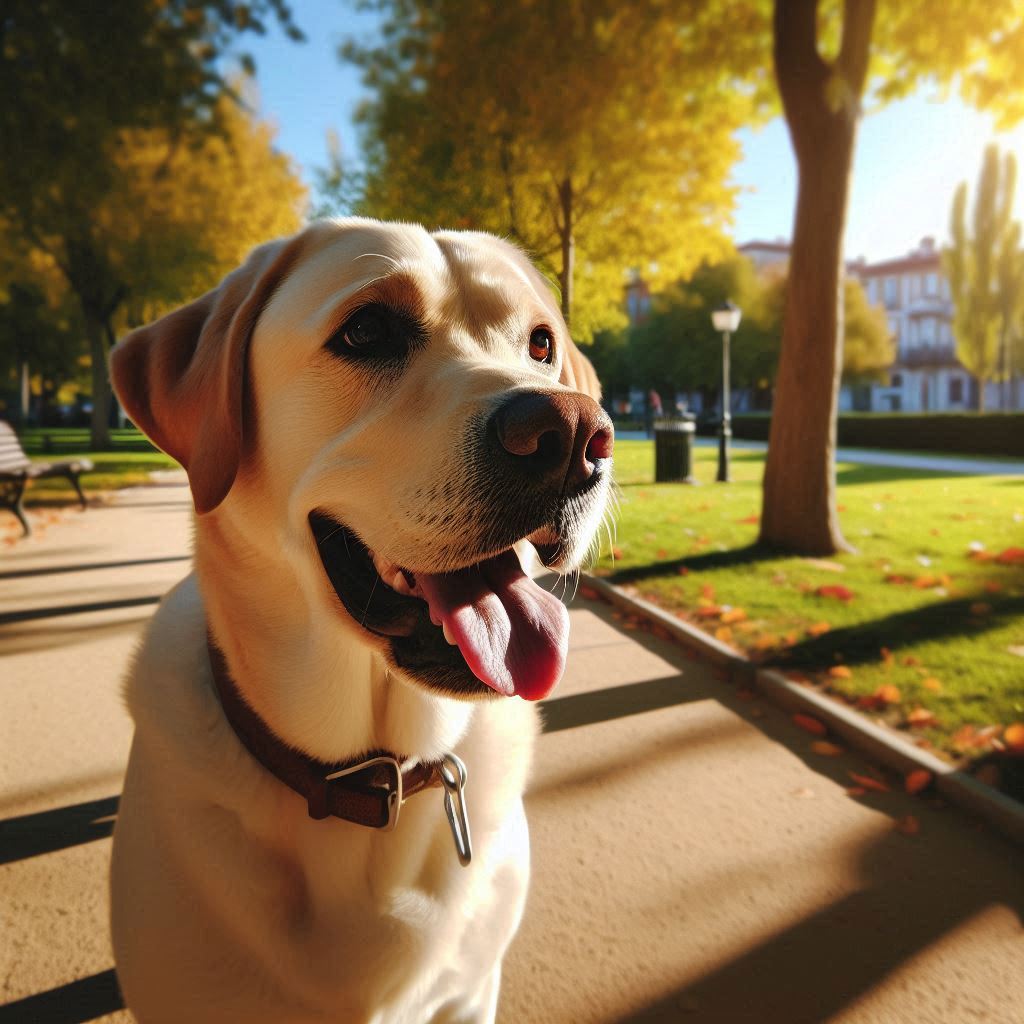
x,y
558,436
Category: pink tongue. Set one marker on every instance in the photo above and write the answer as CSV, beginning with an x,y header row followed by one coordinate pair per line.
x,y
513,634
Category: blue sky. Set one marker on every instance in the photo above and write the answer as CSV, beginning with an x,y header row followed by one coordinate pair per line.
x,y
910,155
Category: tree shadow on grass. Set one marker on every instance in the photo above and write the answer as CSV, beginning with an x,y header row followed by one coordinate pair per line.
x,y
707,562
861,643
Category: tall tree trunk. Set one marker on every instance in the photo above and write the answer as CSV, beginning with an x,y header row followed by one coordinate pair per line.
x,y
565,201
99,427
822,108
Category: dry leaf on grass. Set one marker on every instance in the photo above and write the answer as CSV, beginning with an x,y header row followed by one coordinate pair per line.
x,y
921,718
933,684
889,694
818,629
840,672
836,592
1011,556
1014,737
733,615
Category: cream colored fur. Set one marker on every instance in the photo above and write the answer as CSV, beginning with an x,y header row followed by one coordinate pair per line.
x,y
229,904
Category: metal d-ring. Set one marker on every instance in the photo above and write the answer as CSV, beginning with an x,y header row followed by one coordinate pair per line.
x,y
453,778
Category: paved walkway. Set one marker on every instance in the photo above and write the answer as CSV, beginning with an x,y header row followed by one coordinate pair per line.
x,y
877,457
693,859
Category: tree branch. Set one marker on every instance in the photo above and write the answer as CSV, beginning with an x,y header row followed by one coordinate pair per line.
x,y
858,21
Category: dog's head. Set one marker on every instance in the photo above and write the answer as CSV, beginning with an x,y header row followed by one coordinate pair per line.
x,y
396,411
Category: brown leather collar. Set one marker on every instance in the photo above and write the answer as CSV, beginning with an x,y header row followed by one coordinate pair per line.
x,y
368,791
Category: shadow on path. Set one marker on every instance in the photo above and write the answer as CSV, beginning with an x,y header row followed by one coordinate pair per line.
x,y
53,570
33,834
31,614
74,1003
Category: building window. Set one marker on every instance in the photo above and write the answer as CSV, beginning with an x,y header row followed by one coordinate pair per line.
x,y
956,389
872,291
892,291
928,331
897,380
931,284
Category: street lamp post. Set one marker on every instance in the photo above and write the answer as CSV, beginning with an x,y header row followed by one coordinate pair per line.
x,y
726,318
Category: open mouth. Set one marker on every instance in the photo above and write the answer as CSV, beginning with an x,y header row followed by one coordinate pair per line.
x,y
484,628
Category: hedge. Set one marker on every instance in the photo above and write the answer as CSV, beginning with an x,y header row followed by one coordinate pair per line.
x,y
963,433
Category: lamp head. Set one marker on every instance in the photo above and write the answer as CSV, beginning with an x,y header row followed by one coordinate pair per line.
x,y
726,317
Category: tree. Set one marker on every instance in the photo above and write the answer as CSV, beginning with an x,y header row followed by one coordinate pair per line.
x,y
869,348
677,347
824,57
179,220
596,134
986,272
76,78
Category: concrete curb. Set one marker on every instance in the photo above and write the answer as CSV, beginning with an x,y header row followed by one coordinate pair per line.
x,y
890,750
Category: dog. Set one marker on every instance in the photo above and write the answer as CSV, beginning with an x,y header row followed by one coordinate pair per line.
x,y
322,817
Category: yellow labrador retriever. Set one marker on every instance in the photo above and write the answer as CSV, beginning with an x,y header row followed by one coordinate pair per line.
x,y
322,818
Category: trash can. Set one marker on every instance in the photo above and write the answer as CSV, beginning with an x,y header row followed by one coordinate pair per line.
x,y
673,450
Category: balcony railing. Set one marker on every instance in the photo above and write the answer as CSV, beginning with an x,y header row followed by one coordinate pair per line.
x,y
928,355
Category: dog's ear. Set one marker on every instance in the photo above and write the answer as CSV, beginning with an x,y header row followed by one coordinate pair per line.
x,y
182,379
578,372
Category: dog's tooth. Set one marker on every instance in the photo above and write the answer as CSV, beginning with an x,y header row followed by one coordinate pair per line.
x,y
448,635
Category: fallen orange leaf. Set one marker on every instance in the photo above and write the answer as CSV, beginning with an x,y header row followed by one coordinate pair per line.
x,y
869,782
751,520
723,633
826,749
707,591
1011,556
734,615
918,779
818,629
920,718
840,672
683,570
933,684
834,590
896,578
911,661
709,611
811,725
1014,736
889,694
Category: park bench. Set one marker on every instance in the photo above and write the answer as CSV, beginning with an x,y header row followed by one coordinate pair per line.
x,y
16,469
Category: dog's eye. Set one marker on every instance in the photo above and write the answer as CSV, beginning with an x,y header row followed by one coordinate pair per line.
x,y
542,345
365,329
377,332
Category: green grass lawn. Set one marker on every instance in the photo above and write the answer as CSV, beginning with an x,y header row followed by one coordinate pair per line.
x,y
923,627
129,464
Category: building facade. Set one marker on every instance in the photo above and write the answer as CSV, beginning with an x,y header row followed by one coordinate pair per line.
x,y
914,292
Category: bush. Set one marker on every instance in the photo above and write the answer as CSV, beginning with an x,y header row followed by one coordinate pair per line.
x,y
963,433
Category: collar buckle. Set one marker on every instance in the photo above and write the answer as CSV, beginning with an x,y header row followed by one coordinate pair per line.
x,y
374,784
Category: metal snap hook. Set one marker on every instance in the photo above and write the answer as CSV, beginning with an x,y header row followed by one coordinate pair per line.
x,y
453,778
